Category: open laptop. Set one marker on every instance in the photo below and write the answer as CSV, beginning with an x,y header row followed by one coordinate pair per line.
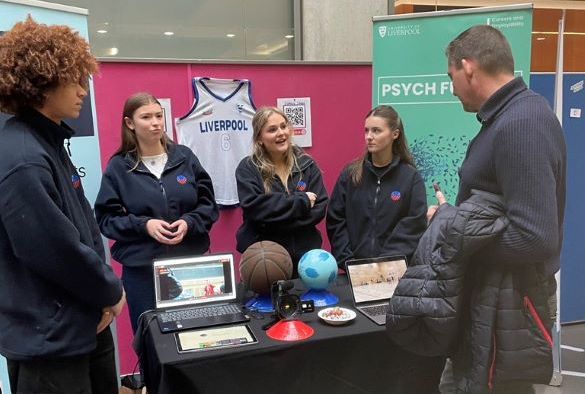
x,y
372,284
197,291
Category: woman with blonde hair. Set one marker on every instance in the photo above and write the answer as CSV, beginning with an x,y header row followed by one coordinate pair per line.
x,y
280,189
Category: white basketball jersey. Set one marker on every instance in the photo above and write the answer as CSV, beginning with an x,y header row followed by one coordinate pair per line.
x,y
218,129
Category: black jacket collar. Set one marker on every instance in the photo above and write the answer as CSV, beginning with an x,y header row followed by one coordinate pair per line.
x,y
303,161
499,99
45,128
370,166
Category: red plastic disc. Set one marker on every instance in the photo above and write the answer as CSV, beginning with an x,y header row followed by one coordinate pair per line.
x,y
290,330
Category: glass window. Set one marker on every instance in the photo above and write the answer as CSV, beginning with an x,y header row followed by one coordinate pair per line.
x,y
195,29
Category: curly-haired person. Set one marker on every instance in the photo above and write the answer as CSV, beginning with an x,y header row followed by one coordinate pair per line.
x,y
57,294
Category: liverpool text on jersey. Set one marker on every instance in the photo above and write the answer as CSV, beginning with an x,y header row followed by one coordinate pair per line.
x,y
223,125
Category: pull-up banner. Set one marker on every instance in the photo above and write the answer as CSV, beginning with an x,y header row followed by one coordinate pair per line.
x,y
410,74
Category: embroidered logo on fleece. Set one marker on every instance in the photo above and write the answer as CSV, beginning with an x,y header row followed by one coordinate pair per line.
x,y
301,186
75,181
182,179
395,195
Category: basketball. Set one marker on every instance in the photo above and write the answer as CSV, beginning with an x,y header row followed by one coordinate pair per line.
x,y
262,264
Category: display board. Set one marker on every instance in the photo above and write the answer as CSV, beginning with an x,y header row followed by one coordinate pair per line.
x,y
340,98
572,293
410,74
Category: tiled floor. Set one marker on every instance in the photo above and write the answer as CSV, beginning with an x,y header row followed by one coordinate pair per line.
x,y
571,362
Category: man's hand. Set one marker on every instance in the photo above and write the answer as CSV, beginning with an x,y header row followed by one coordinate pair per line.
x,y
105,321
117,309
109,312
440,200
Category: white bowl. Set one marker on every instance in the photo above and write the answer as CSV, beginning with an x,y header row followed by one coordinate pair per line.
x,y
328,317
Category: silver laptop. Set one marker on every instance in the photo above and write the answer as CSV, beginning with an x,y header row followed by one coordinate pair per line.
x,y
373,282
197,291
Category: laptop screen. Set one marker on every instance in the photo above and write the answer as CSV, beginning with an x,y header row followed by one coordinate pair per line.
x,y
194,280
375,279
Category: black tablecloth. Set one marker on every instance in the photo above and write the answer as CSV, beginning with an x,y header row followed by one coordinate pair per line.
x,y
353,358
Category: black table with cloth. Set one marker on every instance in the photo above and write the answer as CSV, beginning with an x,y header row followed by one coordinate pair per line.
x,y
354,358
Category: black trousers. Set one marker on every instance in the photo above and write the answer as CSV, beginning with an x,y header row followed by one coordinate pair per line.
x,y
139,285
93,373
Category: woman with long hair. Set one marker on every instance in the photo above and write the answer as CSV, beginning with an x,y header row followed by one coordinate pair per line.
x,y
378,205
378,208
155,200
280,189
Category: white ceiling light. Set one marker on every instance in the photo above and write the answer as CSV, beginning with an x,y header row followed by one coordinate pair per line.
x,y
230,35
168,33
289,36
102,31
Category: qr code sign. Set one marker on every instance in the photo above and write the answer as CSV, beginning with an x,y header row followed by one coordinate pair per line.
x,y
296,114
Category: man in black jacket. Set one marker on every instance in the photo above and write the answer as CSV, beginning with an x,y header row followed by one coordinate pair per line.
x,y
57,294
520,154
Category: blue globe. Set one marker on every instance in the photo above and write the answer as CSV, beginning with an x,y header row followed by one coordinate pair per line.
x,y
317,269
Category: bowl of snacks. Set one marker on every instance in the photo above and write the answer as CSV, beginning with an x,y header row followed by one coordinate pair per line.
x,y
336,315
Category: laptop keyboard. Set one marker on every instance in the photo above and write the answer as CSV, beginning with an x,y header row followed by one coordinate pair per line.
x,y
199,312
376,310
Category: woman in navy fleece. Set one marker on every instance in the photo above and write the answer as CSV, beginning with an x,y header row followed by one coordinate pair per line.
x,y
378,208
378,205
155,200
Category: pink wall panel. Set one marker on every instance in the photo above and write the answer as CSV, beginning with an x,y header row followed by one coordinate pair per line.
x,y
116,81
340,98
